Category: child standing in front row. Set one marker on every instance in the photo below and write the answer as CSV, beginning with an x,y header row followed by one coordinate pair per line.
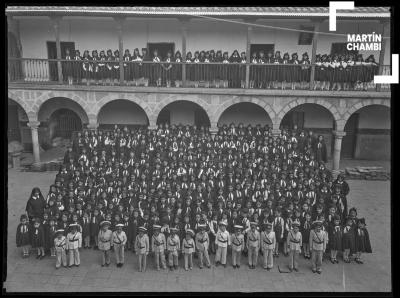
x,y
237,240
335,239
173,247
23,235
363,245
38,238
142,248
60,245
294,243
188,248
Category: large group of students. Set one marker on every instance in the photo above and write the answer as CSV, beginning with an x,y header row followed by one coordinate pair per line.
x,y
218,69
179,190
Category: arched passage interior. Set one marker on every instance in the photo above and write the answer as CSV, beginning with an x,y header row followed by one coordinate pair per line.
x,y
246,113
313,117
60,117
122,112
368,134
17,129
183,112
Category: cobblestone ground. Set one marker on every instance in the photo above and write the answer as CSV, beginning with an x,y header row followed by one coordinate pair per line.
x,y
372,199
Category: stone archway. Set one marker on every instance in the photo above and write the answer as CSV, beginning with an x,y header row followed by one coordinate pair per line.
x,y
246,113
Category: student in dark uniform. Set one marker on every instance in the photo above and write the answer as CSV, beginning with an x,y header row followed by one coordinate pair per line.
x,y
285,71
109,67
167,69
156,69
305,71
294,70
102,68
136,67
37,238
218,68
67,67
77,67
348,65
335,64
95,67
269,69
86,66
225,70
261,70
189,67
23,237
212,68
370,70
127,68
335,235
176,71
253,70
196,68
207,70
116,66
35,205
234,69
242,70
146,67
318,73
348,240
363,244
275,70
320,150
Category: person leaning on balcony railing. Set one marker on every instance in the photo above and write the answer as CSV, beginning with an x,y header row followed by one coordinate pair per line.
x,y
136,67
349,62
242,70
218,68
261,70
102,73
318,72
253,71
109,67
196,68
325,72
234,69
146,68
225,70
212,68
127,68
335,72
95,77
176,71
294,70
285,71
156,69
116,66
370,68
275,70
207,69
77,68
67,67
167,69
86,66
305,71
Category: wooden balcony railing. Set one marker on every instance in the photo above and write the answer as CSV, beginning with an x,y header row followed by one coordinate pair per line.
x,y
209,75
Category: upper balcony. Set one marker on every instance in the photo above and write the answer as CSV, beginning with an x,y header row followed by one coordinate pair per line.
x,y
40,36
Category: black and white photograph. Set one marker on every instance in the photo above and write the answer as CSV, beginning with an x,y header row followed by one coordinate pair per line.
x,y
240,149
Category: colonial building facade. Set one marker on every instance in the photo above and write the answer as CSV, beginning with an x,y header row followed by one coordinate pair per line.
x,y
356,124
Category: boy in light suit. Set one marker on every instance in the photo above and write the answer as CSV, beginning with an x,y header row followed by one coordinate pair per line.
x,y
268,242
74,242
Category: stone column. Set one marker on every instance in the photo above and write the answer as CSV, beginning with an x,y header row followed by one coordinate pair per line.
x,y
338,136
35,139
276,132
213,129
93,125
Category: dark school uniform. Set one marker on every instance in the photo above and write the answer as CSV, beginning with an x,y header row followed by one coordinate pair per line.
x,y
46,234
86,67
348,239
136,67
335,237
176,71
37,236
127,68
67,67
363,243
77,68
155,70
305,70
23,236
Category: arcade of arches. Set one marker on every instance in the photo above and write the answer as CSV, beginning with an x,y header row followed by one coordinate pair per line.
x,y
353,128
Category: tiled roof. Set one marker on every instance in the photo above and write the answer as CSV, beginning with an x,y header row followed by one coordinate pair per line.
x,y
217,11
